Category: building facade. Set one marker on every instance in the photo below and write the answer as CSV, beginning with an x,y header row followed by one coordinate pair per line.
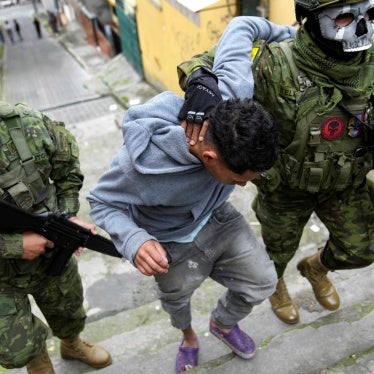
x,y
156,35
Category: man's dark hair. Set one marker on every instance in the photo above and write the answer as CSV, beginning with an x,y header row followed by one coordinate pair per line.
x,y
244,134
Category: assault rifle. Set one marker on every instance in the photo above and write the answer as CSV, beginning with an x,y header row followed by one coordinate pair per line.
x,y
66,235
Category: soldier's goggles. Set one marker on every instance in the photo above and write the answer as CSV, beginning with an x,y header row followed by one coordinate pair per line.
x,y
361,151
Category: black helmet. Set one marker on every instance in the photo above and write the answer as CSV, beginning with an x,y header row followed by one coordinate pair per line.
x,y
318,4
304,8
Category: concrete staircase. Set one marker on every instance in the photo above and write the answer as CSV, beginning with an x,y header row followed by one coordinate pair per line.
x,y
142,340
125,317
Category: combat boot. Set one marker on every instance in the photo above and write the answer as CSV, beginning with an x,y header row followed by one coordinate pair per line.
x,y
282,305
91,354
312,269
41,364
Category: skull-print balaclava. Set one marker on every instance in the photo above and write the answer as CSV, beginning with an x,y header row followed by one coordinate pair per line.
x,y
350,24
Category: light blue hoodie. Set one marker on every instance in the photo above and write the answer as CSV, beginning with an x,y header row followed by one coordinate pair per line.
x,y
155,188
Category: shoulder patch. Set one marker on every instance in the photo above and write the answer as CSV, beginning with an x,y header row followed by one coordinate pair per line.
x,y
254,52
355,126
332,128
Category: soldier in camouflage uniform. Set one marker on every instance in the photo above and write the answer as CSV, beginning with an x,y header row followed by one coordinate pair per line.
x,y
319,88
39,171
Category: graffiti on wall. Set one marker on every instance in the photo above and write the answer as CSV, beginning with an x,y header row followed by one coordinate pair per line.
x,y
214,29
187,43
190,44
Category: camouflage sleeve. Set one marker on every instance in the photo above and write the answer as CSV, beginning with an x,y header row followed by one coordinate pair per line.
x,y
66,173
186,68
274,87
11,246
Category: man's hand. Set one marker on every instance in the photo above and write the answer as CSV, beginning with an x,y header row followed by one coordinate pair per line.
x,y
151,259
34,245
194,132
88,226
202,95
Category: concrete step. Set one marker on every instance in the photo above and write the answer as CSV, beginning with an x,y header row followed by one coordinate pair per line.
x,y
336,342
142,339
331,343
126,318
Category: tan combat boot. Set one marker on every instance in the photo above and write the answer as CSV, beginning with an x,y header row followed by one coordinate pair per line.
x,y
312,269
282,305
41,364
91,354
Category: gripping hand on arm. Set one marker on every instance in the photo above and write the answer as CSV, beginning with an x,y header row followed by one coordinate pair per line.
x,y
202,95
231,60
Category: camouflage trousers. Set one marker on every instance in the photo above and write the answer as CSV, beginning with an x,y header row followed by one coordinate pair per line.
x,y
348,215
60,299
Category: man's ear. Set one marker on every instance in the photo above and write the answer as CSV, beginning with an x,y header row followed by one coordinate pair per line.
x,y
209,155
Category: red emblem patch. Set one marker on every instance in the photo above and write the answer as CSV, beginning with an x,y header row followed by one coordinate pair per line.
x,y
332,128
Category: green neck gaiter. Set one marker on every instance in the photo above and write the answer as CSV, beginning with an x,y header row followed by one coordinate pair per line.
x,y
334,78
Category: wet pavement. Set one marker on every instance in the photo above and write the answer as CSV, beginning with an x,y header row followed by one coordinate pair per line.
x,y
36,72
71,81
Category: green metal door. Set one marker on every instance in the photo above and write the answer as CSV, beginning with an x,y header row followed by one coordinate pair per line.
x,y
249,7
129,38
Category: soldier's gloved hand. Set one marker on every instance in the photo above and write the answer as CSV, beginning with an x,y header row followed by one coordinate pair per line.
x,y
202,95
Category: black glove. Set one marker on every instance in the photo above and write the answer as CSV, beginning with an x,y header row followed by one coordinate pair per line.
x,y
368,134
202,95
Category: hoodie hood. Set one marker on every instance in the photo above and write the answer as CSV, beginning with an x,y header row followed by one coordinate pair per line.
x,y
157,145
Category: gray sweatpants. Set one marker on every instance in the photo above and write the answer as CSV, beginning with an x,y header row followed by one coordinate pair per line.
x,y
227,251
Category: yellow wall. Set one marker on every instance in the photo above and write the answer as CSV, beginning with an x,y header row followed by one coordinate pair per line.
x,y
282,12
167,37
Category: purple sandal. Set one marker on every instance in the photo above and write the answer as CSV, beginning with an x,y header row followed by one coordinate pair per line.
x,y
186,358
240,343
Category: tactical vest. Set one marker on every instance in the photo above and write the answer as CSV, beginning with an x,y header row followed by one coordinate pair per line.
x,y
21,182
322,154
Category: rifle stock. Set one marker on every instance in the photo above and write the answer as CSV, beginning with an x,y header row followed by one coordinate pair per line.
x,y
66,235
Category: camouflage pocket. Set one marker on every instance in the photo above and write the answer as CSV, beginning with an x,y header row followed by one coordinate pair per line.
x,y
25,267
21,333
315,176
361,167
7,306
64,147
8,313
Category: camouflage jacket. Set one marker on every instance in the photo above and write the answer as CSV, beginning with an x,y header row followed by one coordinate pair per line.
x,y
54,179
320,123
